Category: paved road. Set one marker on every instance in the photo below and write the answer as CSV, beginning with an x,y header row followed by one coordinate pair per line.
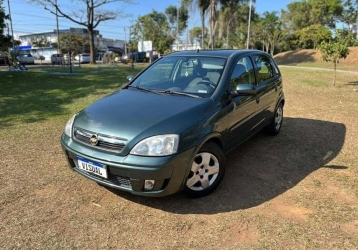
x,y
322,69
4,68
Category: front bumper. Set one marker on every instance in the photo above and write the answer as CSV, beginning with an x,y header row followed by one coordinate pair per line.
x,y
129,173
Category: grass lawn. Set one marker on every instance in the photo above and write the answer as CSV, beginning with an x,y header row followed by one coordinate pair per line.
x,y
294,191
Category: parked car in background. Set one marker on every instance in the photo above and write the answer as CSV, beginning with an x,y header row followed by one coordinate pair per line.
x,y
25,58
169,128
57,59
83,58
138,57
2,59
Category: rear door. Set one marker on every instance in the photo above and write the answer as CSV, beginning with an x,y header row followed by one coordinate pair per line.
x,y
268,80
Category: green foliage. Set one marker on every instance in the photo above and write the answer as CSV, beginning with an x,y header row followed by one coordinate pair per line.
x,y
333,51
350,12
172,14
325,12
302,14
346,36
74,43
272,30
313,35
196,34
5,40
153,27
39,41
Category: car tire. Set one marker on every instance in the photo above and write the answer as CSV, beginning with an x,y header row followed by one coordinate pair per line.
x,y
274,127
207,171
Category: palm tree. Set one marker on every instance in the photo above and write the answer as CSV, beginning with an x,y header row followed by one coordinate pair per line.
x,y
203,6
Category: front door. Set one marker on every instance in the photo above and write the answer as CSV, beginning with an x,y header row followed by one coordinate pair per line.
x,y
243,110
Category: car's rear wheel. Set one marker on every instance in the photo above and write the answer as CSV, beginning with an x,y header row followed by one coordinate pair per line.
x,y
274,127
207,171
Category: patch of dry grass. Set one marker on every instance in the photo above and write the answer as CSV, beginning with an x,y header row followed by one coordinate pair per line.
x,y
312,58
297,190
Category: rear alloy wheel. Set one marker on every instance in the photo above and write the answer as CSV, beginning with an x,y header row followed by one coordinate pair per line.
x,y
207,171
274,127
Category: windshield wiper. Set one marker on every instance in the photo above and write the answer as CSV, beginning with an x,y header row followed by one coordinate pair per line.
x,y
177,93
140,88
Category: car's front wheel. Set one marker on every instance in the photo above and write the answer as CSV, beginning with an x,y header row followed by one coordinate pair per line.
x,y
207,171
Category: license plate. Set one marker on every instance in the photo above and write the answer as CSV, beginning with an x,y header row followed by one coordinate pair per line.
x,y
92,167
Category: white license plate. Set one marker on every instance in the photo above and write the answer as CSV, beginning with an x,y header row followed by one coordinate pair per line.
x,y
92,167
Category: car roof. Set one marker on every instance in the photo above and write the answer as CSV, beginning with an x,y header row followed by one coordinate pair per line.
x,y
217,53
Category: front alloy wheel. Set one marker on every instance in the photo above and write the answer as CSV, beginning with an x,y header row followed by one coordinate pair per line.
x,y
207,171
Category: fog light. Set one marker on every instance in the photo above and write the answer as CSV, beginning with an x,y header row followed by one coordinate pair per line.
x,y
149,184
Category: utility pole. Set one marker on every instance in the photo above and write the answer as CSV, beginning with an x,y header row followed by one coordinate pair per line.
x,y
58,33
248,27
177,25
12,31
125,41
130,39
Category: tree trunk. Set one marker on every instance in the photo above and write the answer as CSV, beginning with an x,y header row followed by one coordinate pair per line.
x,y
272,49
213,22
202,28
91,43
90,31
227,32
335,72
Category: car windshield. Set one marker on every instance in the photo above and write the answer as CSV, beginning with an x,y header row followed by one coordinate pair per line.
x,y
194,75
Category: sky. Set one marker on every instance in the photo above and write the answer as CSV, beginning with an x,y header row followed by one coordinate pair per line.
x,y
30,18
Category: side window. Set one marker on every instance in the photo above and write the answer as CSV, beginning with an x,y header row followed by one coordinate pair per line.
x,y
264,68
243,73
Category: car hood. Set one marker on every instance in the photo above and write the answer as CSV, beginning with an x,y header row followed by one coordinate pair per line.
x,y
134,115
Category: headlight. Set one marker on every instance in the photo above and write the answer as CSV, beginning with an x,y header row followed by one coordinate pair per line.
x,y
68,128
158,145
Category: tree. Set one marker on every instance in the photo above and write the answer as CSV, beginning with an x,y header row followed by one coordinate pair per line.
x,y
350,13
173,18
5,40
302,14
313,35
39,41
325,12
297,16
92,11
333,51
196,34
203,6
272,28
153,27
213,21
227,17
73,43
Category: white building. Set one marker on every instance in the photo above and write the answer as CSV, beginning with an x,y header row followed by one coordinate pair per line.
x,y
51,36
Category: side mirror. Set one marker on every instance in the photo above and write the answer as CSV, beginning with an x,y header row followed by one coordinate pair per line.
x,y
130,77
244,89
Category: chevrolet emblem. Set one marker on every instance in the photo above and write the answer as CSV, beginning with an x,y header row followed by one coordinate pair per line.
x,y
94,140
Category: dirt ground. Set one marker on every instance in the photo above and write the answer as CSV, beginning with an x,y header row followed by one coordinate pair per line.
x,y
298,190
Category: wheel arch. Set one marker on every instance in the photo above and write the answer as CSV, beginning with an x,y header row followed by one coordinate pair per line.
x,y
214,137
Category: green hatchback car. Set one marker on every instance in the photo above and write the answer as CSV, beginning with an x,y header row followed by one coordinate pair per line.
x,y
169,128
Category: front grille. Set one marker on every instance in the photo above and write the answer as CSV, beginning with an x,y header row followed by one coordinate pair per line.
x,y
120,181
106,142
